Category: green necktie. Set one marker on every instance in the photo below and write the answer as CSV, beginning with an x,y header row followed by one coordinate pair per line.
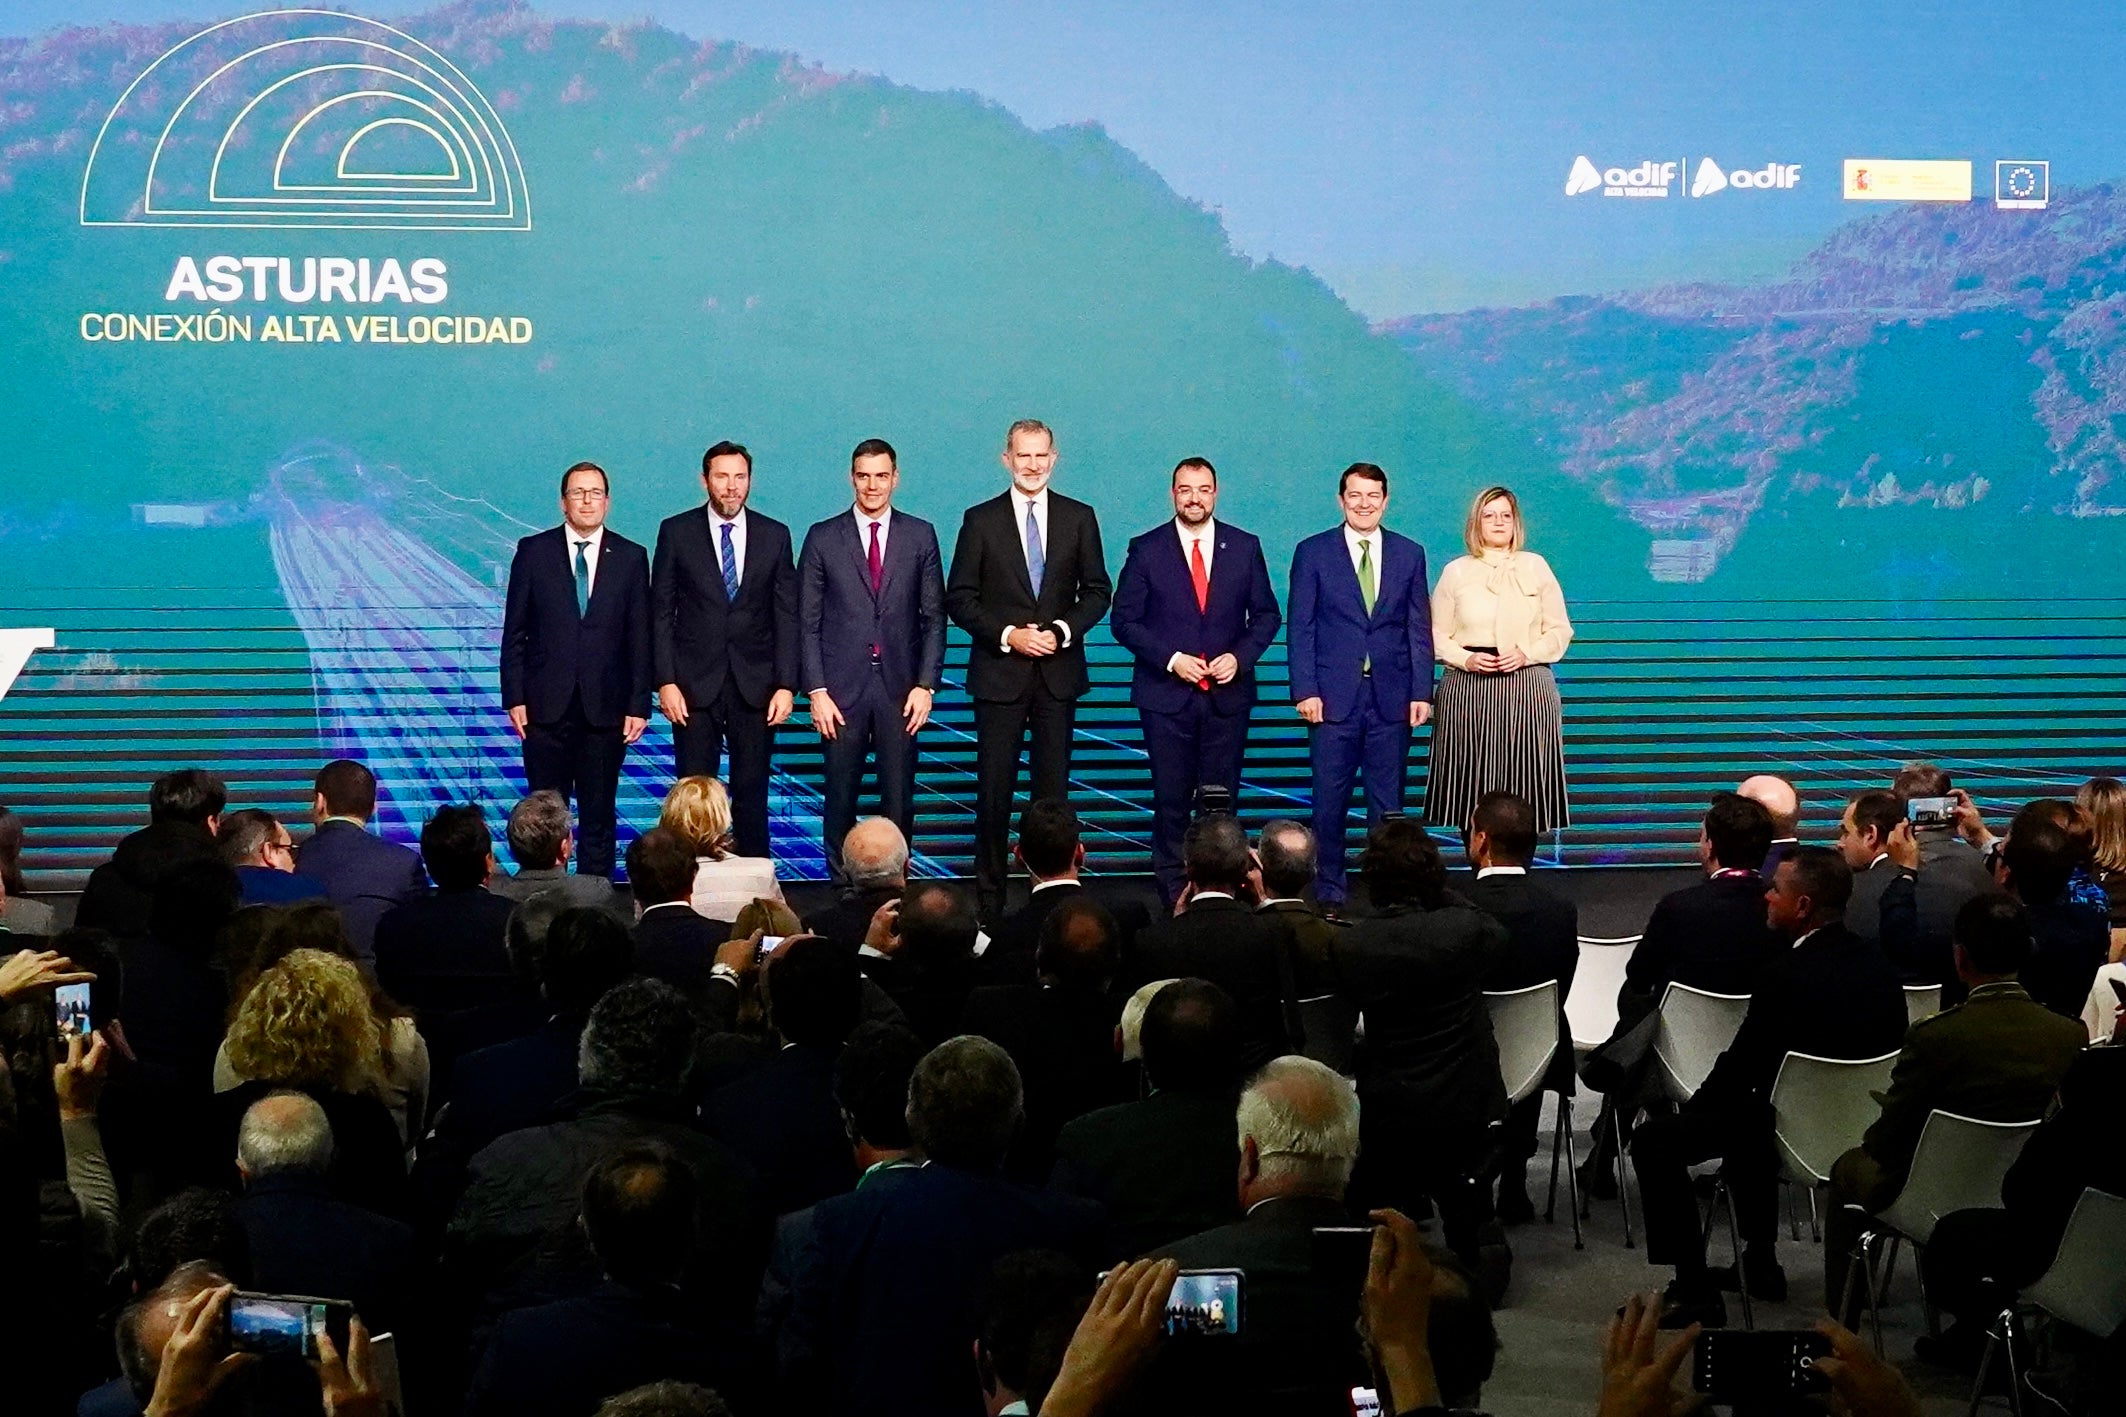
x,y
583,580
1365,573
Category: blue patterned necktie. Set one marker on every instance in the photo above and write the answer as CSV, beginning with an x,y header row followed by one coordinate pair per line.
x,y
730,565
1036,561
583,579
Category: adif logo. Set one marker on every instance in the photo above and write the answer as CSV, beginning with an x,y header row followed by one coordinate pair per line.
x,y
1777,176
1648,179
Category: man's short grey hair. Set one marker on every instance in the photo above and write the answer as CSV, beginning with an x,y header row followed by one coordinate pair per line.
x,y
965,1101
284,1131
537,827
241,836
1133,1018
1303,1118
1286,850
875,854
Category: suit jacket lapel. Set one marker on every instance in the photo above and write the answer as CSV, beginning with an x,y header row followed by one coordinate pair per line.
x,y
897,553
1015,539
752,565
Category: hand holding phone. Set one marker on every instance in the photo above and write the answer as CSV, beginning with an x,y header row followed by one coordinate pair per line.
x,y
1734,1364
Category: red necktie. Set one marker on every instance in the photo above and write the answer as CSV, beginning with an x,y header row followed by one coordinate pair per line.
x,y
877,563
1200,576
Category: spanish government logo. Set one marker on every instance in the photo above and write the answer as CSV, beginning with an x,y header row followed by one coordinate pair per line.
x,y
305,118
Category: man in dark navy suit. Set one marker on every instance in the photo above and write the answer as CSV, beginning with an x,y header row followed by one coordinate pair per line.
x,y
1360,642
723,610
364,874
576,658
1194,605
871,616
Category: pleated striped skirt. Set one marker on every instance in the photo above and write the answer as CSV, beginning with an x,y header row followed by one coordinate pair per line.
x,y
1497,733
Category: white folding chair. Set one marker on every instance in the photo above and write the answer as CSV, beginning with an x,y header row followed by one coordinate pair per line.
x,y
1591,1005
1921,1001
2084,1288
1820,1109
1525,1023
1958,1165
1696,1027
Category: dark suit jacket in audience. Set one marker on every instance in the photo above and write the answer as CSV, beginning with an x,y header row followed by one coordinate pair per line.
x,y
674,944
932,998
364,875
1327,1021
1063,1041
495,1090
158,1117
782,1117
1219,939
1711,936
1863,913
847,920
588,892
566,1358
883,1310
1010,958
121,891
2072,945
1951,871
262,885
447,952
306,1240
1163,1168
1542,943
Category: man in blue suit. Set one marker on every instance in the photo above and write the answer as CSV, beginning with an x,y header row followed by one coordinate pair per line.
x,y
576,658
1360,649
871,642
1194,605
364,874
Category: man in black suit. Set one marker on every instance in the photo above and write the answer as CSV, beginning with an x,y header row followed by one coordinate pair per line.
x,y
576,657
1051,847
1217,936
1285,869
883,1309
542,842
1864,832
1059,1032
184,808
1542,943
1028,584
871,643
1194,607
1782,803
723,637
874,857
1429,1069
445,953
1829,994
364,874
672,943
1163,1167
922,955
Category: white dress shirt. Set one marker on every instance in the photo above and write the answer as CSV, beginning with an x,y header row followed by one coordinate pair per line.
x,y
1378,536
591,554
885,533
1501,871
738,541
1038,503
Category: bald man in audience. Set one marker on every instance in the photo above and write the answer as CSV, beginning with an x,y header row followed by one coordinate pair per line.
x,y
1779,798
875,863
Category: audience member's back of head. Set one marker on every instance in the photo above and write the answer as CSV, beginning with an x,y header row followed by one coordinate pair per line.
x,y
307,1023
2104,799
1507,821
1133,1010
531,920
1302,1119
2040,856
1049,834
665,1399
638,1213
187,795
537,826
241,835
1822,875
871,1082
765,917
1921,779
1214,853
1079,947
284,1134
965,1102
1286,851
1738,832
1025,1315
195,1225
2070,817
814,992
875,854
1779,798
937,925
641,1041
456,848
586,953
1402,865
348,788
660,867
1191,1039
193,903
1993,932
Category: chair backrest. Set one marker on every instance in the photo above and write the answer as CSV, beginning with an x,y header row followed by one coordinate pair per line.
x,y
1958,1165
1820,1107
1696,1027
1525,1022
2086,1284
1591,1005
1921,1001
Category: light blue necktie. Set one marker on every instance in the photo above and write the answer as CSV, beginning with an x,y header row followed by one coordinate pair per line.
x,y
730,565
583,579
1036,562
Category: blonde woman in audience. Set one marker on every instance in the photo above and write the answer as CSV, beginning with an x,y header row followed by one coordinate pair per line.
x,y
699,810
2104,799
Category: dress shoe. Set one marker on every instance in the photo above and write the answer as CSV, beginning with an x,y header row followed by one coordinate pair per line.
x,y
1598,1180
1680,1308
1767,1279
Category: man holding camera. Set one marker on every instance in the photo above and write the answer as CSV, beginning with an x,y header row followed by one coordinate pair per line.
x,y
1195,609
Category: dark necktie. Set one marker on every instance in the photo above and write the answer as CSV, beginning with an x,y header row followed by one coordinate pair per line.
x,y
876,562
730,565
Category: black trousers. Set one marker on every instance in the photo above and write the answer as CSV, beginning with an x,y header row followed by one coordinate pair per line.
x,y
1405,1160
582,763
1663,1149
727,721
873,726
999,729
1186,750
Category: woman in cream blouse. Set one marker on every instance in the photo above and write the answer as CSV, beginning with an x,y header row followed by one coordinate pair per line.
x,y
1498,623
699,810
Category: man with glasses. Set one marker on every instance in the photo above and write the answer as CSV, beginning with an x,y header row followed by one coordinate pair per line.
x,y
576,658
263,853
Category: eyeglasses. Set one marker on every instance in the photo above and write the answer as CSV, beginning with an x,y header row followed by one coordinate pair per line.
x,y
586,494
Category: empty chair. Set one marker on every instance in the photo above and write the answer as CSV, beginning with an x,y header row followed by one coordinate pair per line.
x,y
1591,1007
1958,1165
1921,1001
1696,1027
1525,1023
2084,1288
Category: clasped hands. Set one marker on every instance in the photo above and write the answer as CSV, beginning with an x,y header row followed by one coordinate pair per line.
x,y
1506,661
1194,668
1033,641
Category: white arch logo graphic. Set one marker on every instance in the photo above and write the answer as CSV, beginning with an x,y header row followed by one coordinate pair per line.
x,y
305,118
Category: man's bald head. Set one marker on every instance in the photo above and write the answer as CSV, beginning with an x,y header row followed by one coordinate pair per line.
x,y
283,1131
1778,797
875,854
145,1325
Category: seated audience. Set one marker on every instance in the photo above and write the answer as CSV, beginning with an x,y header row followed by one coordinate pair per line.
x,y
1029,1306
2071,942
445,953
184,808
1051,847
1060,1032
781,1115
672,943
1428,1071
699,809
542,841
1998,1056
263,854
1163,1167
1284,873
875,860
922,956
1129,1033
884,1303
18,913
1217,936
513,1239
1782,803
1542,945
1864,832
1829,994
640,1214
364,874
